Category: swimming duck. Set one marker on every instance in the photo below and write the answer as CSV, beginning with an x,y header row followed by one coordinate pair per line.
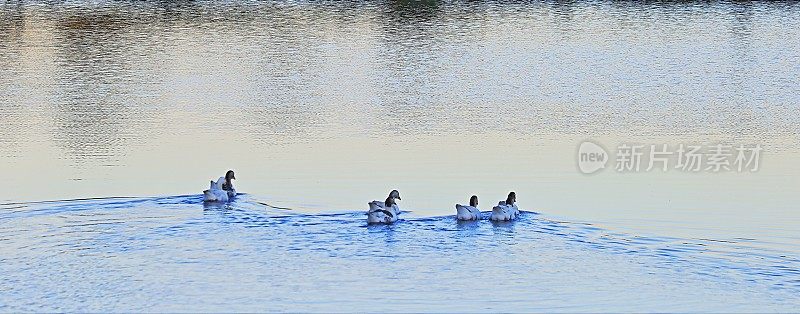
x,y
506,210
222,190
384,212
470,212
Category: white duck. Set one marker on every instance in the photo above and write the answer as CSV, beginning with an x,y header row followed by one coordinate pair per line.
x,y
470,212
222,190
506,210
384,212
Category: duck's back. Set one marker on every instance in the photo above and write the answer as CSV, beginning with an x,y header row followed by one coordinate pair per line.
x,y
376,205
503,211
215,195
381,216
464,212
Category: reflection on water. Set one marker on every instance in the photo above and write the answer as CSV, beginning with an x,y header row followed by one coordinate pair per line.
x,y
296,72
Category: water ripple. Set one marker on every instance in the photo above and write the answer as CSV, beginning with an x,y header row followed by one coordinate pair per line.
x,y
102,244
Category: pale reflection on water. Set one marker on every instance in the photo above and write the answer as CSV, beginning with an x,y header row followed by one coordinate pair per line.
x,y
325,106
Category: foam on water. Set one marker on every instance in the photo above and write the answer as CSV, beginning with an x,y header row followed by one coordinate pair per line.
x,y
174,253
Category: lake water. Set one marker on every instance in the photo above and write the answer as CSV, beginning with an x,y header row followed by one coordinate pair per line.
x,y
115,115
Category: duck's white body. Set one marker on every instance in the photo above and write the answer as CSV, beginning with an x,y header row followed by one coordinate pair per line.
x,y
466,212
215,193
379,213
503,212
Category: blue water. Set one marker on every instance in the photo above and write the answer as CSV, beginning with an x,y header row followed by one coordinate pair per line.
x,y
321,107
174,253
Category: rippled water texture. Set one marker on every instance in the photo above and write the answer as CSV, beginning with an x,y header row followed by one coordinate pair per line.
x,y
171,253
323,106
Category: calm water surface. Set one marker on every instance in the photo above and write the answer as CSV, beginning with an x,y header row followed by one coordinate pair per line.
x,y
321,107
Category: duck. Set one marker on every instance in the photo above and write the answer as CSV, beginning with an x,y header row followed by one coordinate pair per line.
x,y
469,212
506,210
385,212
222,190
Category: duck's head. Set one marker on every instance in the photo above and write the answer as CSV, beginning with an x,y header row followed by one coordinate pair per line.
x,y
473,201
230,176
395,194
512,198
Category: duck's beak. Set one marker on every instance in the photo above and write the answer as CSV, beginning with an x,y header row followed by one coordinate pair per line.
x,y
233,177
399,198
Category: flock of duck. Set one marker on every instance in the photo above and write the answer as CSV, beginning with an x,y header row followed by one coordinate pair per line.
x,y
385,212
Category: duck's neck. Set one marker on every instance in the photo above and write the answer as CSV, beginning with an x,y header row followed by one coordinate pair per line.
x,y
389,201
228,185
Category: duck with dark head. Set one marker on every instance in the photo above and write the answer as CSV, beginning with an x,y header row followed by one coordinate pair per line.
x,y
506,210
470,212
386,211
222,190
